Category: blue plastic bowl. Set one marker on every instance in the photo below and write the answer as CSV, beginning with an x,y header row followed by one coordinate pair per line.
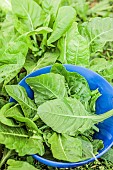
x,y
103,104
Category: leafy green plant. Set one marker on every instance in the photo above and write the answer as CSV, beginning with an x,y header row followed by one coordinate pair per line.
x,y
55,98
36,33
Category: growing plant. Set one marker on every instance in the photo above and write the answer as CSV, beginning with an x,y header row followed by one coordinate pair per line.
x,y
38,33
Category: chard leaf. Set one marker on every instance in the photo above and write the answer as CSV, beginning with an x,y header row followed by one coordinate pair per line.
x,y
87,149
81,7
77,84
103,67
54,9
98,31
3,119
19,165
47,87
49,58
51,7
70,115
62,23
100,8
11,138
74,48
20,95
15,113
65,147
7,30
108,155
12,60
28,12
40,30
97,145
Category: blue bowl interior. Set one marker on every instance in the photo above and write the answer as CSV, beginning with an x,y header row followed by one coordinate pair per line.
x,y
103,104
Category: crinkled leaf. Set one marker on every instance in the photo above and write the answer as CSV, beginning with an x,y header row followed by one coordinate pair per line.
x,y
77,84
20,95
66,148
47,87
11,138
74,48
62,23
70,115
19,165
98,31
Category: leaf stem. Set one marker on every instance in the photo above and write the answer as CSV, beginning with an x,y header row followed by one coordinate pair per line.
x,y
5,158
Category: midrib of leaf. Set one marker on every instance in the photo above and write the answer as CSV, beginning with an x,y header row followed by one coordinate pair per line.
x,y
29,18
77,53
47,89
26,103
62,147
74,116
99,36
14,134
38,64
65,49
19,135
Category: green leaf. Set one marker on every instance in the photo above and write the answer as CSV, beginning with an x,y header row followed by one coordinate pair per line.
x,y
19,165
70,115
62,23
54,9
99,31
40,30
12,59
103,67
81,7
20,95
95,94
3,119
100,8
74,48
30,63
11,138
77,84
8,33
108,155
16,113
51,7
65,147
47,87
49,58
28,12
87,149
97,145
